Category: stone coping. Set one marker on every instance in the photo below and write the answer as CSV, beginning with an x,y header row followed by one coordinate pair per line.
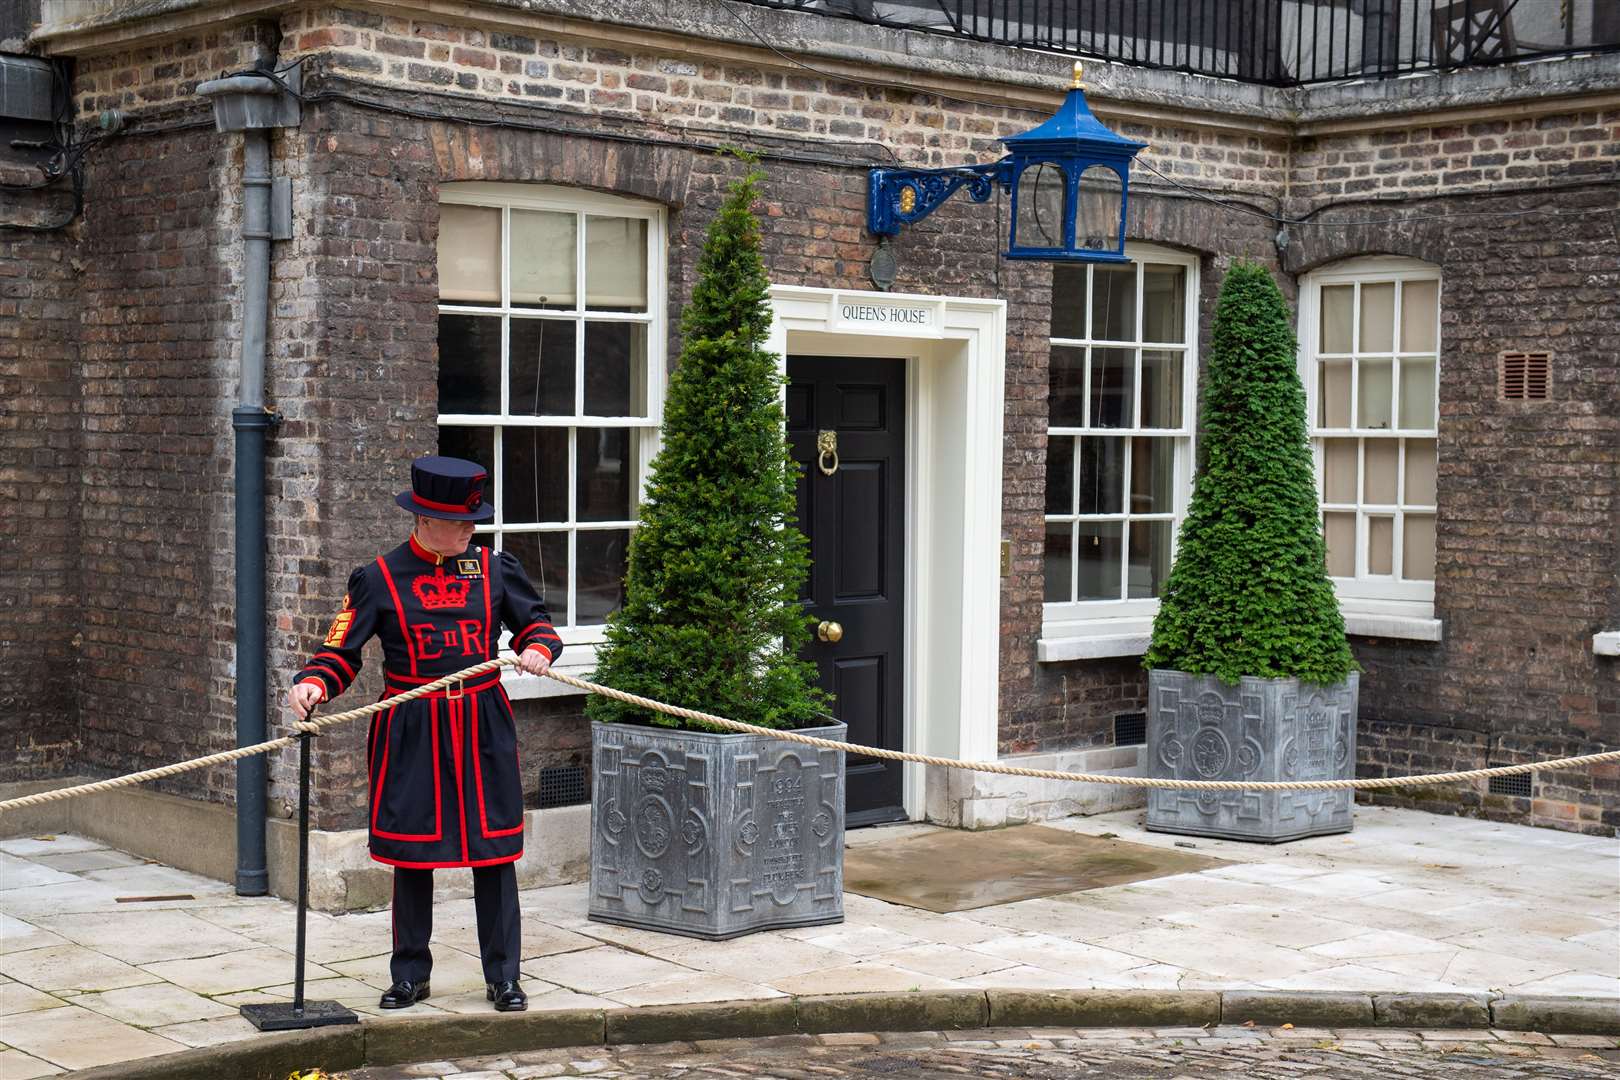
x,y
406,1040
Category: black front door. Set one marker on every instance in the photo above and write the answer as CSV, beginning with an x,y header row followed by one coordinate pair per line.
x,y
851,506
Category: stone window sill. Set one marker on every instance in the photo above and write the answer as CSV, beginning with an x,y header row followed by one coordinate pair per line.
x,y
1380,625
1130,637
1606,643
578,661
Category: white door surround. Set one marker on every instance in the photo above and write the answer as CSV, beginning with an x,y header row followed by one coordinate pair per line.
x,y
955,352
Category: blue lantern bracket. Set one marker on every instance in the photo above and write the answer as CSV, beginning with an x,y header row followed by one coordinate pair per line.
x,y
897,197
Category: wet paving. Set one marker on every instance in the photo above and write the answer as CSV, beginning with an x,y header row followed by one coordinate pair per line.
x,y
1062,1054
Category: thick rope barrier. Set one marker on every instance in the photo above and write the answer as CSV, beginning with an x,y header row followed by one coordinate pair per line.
x,y
313,727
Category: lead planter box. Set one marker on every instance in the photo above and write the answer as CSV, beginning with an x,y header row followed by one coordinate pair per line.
x,y
1200,728
712,835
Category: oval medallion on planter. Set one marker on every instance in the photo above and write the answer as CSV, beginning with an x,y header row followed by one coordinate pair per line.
x,y
715,835
1200,728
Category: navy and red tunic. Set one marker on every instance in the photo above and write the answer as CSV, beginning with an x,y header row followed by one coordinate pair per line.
x,y
444,782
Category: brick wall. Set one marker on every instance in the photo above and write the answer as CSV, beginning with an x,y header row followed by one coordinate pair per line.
x,y
40,413
160,323
1528,515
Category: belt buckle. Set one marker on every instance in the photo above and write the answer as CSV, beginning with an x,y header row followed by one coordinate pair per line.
x,y
454,691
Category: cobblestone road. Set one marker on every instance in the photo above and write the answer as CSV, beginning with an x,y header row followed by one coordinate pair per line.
x,y
1104,1054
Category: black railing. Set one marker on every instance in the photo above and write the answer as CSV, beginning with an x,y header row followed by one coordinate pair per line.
x,y
1277,42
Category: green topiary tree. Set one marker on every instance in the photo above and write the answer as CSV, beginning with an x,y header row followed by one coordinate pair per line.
x,y
1249,593
711,618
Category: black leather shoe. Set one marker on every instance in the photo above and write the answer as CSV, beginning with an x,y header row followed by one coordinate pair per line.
x,y
403,994
507,996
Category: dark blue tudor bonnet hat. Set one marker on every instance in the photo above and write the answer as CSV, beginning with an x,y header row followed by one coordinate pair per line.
x,y
447,487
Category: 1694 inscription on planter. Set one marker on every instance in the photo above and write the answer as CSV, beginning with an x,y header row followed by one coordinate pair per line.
x,y
715,835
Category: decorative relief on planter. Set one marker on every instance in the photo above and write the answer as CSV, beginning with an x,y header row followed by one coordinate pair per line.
x,y
1262,729
715,835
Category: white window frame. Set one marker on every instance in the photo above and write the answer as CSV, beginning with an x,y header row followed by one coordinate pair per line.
x,y
580,640
1374,605
1087,629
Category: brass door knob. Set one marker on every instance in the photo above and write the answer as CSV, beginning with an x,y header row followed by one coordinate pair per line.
x,y
830,632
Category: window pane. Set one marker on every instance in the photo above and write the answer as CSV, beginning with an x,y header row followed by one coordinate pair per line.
x,y
1383,465
470,364
1380,545
1333,389
545,559
1417,393
1378,317
542,367
599,582
469,255
1164,303
1059,562
1096,222
1113,371
1102,476
1042,189
1113,303
1373,392
1099,560
1337,302
1068,301
615,265
1420,470
1153,469
543,254
1066,400
1417,548
615,369
1339,470
1161,388
1339,530
1418,315
472,444
608,467
1060,474
1150,559
534,476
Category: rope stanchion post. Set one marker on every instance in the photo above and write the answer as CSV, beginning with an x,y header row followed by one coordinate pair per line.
x,y
283,1016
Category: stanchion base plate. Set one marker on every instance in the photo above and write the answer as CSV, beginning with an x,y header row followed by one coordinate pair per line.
x,y
280,1016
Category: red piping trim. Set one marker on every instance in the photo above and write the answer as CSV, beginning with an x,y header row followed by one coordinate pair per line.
x,y
438,805
399,610
478,775
461,792
454,508
489,627
340,681
445,865
342,663
484,683
422,552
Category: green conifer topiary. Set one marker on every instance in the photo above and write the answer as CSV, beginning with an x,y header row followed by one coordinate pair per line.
x,y
1249,593
711,618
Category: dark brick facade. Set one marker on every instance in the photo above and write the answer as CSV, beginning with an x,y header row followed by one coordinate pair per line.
x,y
118,598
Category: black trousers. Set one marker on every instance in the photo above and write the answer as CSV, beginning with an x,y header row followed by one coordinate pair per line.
x,y
495,898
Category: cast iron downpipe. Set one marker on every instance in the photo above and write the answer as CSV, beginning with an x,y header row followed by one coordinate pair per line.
x,y
251,421
251,104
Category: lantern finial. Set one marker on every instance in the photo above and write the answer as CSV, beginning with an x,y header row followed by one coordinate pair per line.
x,y
1078,85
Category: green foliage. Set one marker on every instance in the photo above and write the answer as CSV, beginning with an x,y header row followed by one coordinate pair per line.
x,y
711,618
1249,593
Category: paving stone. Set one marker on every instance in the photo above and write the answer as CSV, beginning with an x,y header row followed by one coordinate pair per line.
x,y
75,1038
250,969
16,998
146,937
16,1065
71,967
154,1005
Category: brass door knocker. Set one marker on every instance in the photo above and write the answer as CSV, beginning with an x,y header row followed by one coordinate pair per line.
x,y
827,444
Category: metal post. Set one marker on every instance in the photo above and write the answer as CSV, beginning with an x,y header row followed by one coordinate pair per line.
x,y
280,1016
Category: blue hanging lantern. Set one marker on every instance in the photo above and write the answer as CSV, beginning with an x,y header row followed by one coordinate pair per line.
x,y
1069,179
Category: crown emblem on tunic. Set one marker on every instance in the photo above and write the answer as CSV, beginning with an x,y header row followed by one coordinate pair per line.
x,y
438,592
